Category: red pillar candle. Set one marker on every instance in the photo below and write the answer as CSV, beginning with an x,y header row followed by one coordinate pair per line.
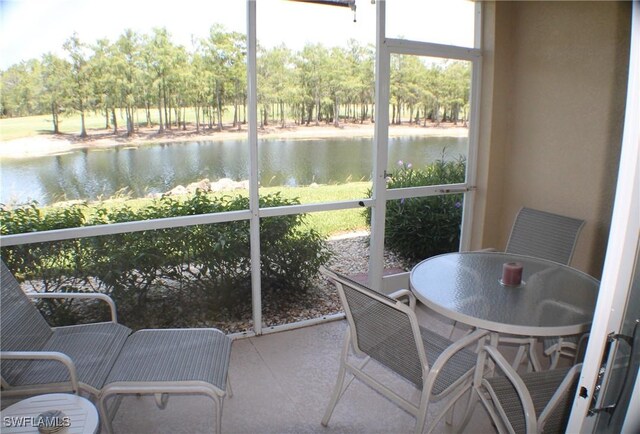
x,y
512,273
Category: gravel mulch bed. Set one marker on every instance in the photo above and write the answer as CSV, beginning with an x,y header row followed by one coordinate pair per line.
x,y
351,258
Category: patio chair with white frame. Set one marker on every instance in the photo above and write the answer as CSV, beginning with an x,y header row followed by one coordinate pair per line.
x,y
385,329
548,236
532,402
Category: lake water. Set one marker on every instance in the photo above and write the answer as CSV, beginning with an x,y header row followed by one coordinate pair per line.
x,y
157,168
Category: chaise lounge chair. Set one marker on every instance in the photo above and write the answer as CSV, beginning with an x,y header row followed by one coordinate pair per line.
x,y
106,359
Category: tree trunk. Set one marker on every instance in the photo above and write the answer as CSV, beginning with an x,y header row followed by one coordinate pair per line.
x,y
244,110
115,120
164,100
161,129
282,120
336,113
106,118
309,113
129,115
148,114
83,130
235,112
54,115
219,104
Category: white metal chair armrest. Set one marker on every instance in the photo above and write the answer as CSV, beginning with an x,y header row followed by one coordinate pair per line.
x,y
103,297
448,353
46,355
521,389
397,295
564,388
552,390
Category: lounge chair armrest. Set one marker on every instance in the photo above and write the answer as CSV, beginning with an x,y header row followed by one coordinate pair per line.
x,y
46,355
402,293
518,384
103,297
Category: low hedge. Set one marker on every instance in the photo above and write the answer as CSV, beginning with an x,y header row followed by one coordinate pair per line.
x,y
420,227
166,277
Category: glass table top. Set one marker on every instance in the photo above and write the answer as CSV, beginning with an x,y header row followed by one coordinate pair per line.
x,y
552,300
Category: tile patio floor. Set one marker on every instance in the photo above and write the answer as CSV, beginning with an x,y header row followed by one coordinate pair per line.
x,y
281,384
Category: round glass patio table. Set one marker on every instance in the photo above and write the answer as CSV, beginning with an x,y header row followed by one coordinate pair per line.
x,y
553,299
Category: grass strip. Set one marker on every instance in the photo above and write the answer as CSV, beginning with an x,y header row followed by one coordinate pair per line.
x,y
326,223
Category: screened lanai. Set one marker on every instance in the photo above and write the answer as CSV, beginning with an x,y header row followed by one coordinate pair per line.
x,y
368,171
545,117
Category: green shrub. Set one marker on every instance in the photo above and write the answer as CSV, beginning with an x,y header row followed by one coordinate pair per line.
x,y
60,266
420,227
165,277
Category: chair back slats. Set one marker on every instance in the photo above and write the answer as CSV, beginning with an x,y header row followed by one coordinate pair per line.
x,y
541,386
544,235
381,330
23,327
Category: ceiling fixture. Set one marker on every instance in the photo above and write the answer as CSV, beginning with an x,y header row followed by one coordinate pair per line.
x,y
351,4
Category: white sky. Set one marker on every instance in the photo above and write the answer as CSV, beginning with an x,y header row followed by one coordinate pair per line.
x,y
31,28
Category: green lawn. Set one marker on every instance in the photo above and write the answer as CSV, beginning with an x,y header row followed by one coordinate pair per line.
x,y
329,222
322,193
16,128
325,222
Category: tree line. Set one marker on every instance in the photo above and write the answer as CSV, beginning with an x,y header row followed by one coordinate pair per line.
x,y
150,73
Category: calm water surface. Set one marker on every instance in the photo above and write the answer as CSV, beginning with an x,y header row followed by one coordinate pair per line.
x,y
94,173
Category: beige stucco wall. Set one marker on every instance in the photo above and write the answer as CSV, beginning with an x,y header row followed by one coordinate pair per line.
x,y
553,92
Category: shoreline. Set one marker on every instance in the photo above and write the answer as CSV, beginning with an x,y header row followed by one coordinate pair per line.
x,y
48,145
